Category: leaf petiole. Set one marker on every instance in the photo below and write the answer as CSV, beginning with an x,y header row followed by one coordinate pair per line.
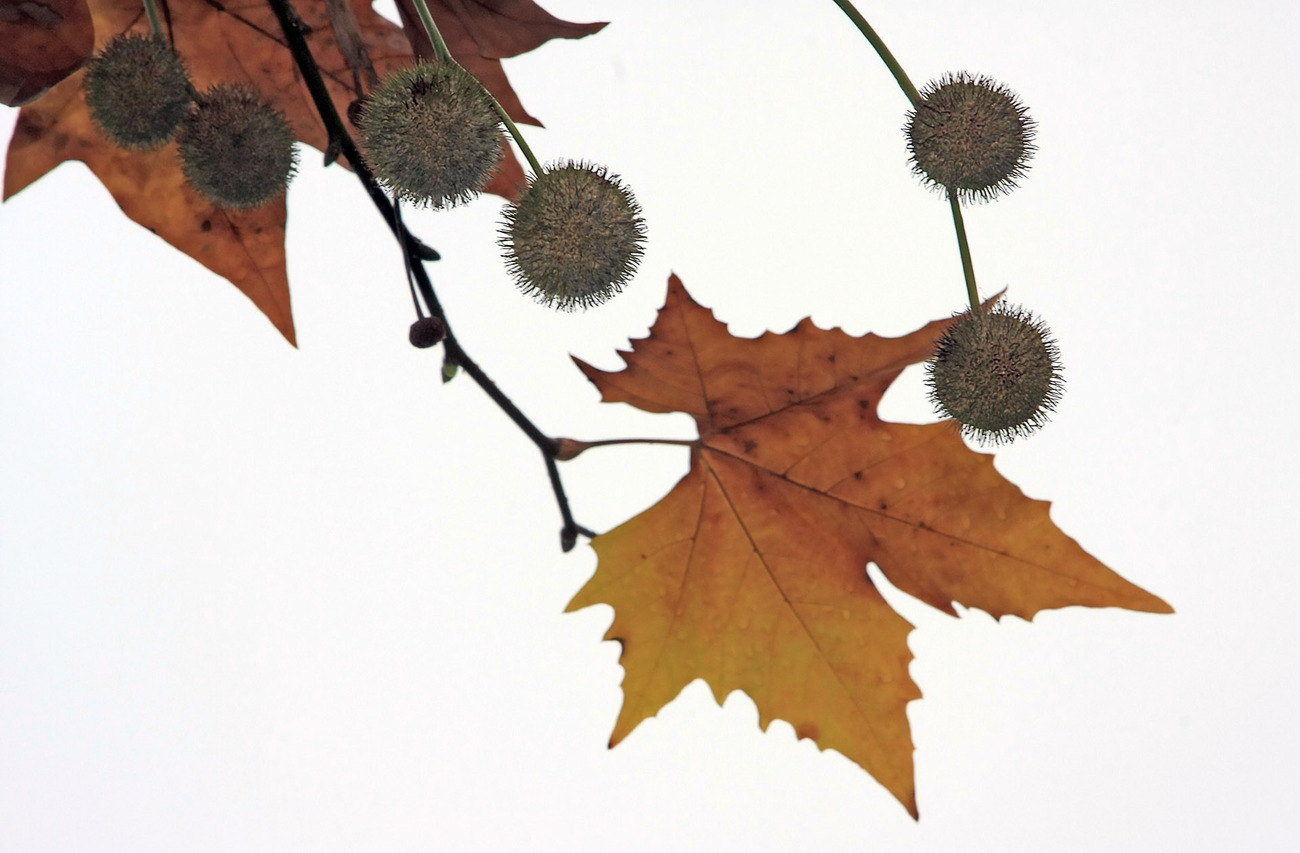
x,y
155,24
444,55
967,265
568,448
905,83
886,56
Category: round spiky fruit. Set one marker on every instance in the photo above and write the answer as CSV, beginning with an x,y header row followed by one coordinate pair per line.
x,y
970,137
236,149
137,91
574,237
997,373
431,134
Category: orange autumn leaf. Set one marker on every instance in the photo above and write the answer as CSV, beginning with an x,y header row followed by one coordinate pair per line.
x,y
235,42
751,572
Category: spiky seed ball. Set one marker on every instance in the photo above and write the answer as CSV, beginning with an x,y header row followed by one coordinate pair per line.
x,y
971,136
137,91
236,149
997,373
431,134
575,236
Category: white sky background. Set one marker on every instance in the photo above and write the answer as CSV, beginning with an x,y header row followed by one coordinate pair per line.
x,y
260,599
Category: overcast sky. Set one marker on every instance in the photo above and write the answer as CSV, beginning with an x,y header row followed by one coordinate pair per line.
x,y
264,599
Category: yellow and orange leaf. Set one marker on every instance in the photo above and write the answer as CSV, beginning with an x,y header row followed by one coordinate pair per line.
x,y
751,572
240,42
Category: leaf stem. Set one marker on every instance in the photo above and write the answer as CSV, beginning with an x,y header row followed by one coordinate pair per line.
x,y
155,24
444,55
886,56
435,35
905,83
605,442
967,265
416,253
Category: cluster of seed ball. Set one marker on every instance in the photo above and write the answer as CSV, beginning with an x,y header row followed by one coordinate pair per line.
x,y
433,136
236,149
996,372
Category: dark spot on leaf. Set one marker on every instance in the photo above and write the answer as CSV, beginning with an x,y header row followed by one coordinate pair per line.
x,y
853,378
866,404
29,124
807,731
39,13
883,506
750,444
205,226
790,391
922,525
831,358
857,475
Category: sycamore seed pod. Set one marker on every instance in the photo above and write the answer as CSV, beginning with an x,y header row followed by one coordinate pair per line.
x,y
137,91
431,134
997,373
575,236
427,331
236,149
970,137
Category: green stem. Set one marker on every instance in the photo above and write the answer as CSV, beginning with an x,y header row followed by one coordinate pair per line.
x,y
967,266
904,83
518,137
444,55
888,58
151,9
435,36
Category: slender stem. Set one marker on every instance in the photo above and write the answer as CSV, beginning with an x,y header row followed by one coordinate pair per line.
x,y
406,258
518,137
324,103
435,36
444,55
891,63
151,9
967,266
605,442
905,83
568,533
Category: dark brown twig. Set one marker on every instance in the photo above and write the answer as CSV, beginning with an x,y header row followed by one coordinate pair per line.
x,y
416,253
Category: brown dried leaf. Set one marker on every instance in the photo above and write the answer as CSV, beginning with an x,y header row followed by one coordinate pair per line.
x,y
234,42
480,33
41,42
